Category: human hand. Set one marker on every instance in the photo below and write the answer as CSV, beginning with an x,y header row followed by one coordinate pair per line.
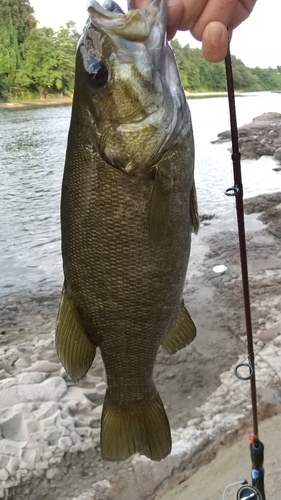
x,y
208,20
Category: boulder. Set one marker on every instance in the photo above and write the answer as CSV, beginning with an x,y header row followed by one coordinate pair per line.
x,y
259,138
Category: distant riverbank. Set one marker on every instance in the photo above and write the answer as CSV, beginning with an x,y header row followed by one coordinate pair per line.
x,y
56,101
196,95
60,101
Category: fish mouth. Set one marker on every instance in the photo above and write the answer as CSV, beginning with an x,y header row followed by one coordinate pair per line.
x,y
108,9
135,25
112,7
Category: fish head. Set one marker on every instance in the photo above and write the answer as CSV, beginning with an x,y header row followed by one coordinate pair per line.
x,y
127,78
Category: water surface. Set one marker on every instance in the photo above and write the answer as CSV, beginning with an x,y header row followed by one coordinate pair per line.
x,y
32,150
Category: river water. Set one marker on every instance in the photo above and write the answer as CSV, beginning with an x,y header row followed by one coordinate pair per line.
x,y
32,150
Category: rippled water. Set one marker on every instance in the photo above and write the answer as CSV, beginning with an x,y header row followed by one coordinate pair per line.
x,y
32,153
32,150
213,172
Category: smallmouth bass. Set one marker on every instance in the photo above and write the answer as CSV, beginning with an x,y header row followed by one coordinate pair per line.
x,y
128,208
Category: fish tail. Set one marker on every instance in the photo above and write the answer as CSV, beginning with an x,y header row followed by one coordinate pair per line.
x,y
141,427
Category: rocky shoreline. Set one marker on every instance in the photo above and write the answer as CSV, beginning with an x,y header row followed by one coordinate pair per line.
x,y
49,444
261,137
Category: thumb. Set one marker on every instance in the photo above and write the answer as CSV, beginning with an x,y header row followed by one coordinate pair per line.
x,y
215,42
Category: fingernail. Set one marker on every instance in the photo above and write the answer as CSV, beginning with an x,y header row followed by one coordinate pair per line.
x,y
217,36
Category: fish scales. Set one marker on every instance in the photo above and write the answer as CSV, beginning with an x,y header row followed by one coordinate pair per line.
x,y
123,285
117,269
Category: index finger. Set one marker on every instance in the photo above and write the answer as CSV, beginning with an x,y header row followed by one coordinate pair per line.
x,y
215,10
183,15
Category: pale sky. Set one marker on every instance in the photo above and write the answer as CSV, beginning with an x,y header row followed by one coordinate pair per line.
x,y
256,42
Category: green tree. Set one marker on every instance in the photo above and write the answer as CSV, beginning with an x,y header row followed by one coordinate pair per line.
x,y
66,42
38,70
20,13
48,60
9,54
268,78
16,23
199,75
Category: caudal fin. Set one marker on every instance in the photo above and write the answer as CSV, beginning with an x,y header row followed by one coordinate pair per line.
x,y
141,427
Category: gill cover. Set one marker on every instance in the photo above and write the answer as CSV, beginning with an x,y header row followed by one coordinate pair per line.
x,y
131,86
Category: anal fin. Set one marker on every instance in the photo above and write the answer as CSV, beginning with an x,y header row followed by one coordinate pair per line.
x,y
75,350
160,206
182,333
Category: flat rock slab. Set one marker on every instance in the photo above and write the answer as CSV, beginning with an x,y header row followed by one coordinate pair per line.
x,y
261,137
270,206
52,389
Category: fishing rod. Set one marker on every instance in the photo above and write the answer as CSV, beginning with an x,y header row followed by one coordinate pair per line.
x,y
256,491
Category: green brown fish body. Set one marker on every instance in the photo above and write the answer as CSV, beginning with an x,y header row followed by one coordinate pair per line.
x,y
128,209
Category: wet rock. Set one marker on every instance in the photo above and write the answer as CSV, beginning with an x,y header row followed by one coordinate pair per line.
x,y
277,157
206,217
272,217
262,203
260,137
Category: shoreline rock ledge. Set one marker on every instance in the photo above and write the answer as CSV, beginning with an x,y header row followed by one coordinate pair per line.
x,y
261,137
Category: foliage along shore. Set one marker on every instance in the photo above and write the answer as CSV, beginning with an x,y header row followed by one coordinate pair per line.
x,y
36,63
64,100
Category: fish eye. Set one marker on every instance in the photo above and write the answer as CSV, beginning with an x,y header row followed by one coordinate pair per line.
x,y
98,74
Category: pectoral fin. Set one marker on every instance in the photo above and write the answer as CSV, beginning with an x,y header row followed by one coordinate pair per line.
x,y
194,217
75,350
182,333
160,206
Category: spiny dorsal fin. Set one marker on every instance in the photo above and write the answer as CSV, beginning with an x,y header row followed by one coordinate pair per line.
x,y
141,426
160,206
75,350
182,333
194,217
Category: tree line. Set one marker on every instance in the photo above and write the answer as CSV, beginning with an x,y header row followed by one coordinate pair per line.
x,y
34,61
39,62
198,75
